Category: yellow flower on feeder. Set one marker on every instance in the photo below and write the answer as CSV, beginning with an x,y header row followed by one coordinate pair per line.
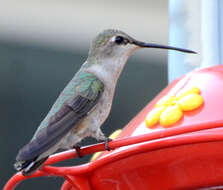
x,y
169,109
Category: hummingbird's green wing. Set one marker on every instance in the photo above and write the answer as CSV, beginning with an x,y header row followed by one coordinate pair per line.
x,y
87,91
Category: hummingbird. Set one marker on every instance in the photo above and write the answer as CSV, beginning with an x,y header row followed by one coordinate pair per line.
x,y
85,103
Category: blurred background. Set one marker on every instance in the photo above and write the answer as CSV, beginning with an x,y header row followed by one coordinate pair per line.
x,y
42,45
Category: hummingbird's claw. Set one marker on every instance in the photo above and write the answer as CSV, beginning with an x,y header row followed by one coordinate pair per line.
x,y
77,149
107,140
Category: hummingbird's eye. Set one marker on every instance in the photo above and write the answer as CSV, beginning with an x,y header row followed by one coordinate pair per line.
x,y
119,40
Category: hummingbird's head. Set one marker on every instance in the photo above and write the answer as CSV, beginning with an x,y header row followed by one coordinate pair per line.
x,y
115,43
110,50
111,43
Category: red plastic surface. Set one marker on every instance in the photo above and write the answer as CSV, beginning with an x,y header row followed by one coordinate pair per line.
x,y
187,155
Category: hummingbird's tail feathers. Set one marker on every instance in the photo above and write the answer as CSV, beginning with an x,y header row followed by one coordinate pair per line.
x,y
30,166
20,165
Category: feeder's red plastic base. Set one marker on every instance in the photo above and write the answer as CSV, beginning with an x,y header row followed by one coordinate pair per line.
x,y
187,155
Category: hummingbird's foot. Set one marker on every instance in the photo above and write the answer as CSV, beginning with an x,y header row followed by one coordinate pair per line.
x,y
107,140
77,149
99,135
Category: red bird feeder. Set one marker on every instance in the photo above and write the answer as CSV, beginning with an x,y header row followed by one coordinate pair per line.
x,y
174,143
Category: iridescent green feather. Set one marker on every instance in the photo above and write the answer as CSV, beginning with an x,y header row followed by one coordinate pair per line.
x,y
83,84
88,85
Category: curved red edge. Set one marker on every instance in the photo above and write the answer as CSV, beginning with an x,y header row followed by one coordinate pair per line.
x,y
146,146
63,171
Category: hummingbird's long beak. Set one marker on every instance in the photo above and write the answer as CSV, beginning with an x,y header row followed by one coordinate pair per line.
x,y
152,45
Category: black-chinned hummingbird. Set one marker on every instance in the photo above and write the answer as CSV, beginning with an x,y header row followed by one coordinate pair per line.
x,y
86,101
